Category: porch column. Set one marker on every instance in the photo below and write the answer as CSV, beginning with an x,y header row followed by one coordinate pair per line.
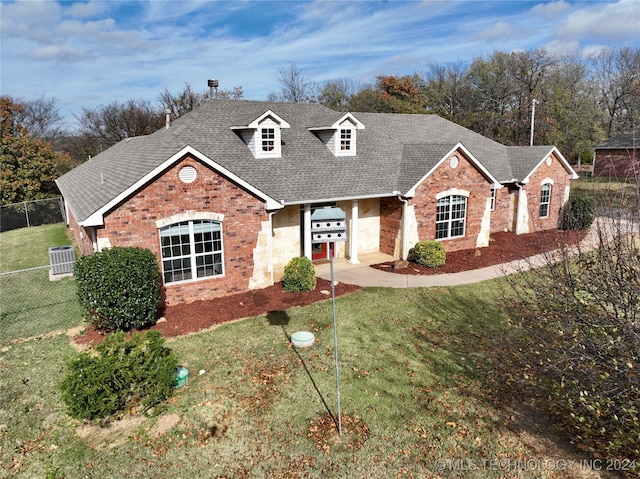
x,y
306,240
522,212
353,239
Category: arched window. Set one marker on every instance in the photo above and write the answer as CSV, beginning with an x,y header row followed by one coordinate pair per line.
x,y
191,250
545,200
451,213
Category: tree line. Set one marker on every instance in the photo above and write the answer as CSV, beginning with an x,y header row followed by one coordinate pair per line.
x,y
578,102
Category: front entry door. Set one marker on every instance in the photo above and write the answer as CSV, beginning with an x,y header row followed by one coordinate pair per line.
x,y
319,251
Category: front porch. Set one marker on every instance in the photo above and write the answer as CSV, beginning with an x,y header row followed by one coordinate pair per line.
x,y
340,264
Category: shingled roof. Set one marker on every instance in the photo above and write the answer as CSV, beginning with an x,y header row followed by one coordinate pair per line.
x,y
629,139
394,152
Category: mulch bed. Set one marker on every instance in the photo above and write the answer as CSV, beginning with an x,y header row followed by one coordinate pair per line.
x,y
503,247
189,318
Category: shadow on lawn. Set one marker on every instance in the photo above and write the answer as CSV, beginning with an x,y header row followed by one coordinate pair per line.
x,y
281,318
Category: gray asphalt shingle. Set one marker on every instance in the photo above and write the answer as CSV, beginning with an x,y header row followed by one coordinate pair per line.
x,y
393,153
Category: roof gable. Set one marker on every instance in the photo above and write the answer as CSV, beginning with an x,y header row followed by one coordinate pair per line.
x,y
527,159
394,153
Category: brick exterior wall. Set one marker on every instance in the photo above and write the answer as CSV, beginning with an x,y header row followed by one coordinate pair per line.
x,y
133,223
464,176
561,181
80,234
623,163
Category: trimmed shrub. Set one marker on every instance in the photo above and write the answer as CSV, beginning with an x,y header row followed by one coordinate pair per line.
x,y
299,275
429,253
578,213
134,374
119,288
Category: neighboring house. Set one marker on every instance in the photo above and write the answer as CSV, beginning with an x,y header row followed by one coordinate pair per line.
x,y
224,195
618,157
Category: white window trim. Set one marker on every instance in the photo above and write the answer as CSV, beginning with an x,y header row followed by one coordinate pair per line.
x,y
450,193
548,202
277,142
338,141
212,217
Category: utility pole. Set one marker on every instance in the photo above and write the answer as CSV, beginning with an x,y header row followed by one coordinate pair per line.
x,y
533,116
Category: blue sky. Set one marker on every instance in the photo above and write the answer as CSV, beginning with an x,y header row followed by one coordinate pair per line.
x,y
95,52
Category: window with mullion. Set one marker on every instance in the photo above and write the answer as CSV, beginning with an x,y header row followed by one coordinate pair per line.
x,y
268,139
345,140
191,249
451,212
545,200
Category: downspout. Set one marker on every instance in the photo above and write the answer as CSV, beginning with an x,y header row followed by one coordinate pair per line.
x,y
404,254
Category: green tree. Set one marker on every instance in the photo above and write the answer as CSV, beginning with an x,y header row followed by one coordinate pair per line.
x,y
28,166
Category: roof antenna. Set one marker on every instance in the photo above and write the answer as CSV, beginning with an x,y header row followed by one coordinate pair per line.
x,y
213,86
167,118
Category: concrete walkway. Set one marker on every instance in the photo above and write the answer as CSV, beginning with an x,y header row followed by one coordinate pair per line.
x,y
363,275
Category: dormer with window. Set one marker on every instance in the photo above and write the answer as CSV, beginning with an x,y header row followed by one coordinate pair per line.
x,y
263,135
340,136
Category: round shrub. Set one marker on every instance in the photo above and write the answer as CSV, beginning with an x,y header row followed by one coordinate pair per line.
x,y
119,288
299,275
429,253
578,213
126,374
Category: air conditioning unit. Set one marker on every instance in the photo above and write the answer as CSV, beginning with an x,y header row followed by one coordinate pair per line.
x,y
62,259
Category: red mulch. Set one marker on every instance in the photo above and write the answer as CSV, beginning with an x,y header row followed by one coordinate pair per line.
x,y
189,318
503,247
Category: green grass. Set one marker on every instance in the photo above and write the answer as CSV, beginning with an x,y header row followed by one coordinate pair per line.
x,y
29,247
30,304
609,193
416,368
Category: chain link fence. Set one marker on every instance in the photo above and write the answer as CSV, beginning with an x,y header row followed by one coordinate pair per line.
x,y
32,213
33,305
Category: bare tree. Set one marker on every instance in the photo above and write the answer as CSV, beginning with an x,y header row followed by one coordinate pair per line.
x,y
108,124
295,87
183,102
447,90
236,93
577,325
617,74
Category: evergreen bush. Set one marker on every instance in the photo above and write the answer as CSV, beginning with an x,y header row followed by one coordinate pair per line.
x,y
299,275
119,288
578,213
429,253
126,374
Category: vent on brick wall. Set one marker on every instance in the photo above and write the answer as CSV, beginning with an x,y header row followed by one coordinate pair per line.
x,y
62,259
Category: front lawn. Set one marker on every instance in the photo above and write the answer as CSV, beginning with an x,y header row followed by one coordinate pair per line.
x,y
417,380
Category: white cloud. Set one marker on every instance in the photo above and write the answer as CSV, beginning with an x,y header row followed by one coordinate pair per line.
x,y
499,31
86,10
61,54
551,10
31,20
608,22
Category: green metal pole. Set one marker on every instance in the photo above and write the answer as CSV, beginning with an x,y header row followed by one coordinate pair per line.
x,y
335,338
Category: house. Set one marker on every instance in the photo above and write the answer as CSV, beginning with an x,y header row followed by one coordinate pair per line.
x,y
618,157
224,194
